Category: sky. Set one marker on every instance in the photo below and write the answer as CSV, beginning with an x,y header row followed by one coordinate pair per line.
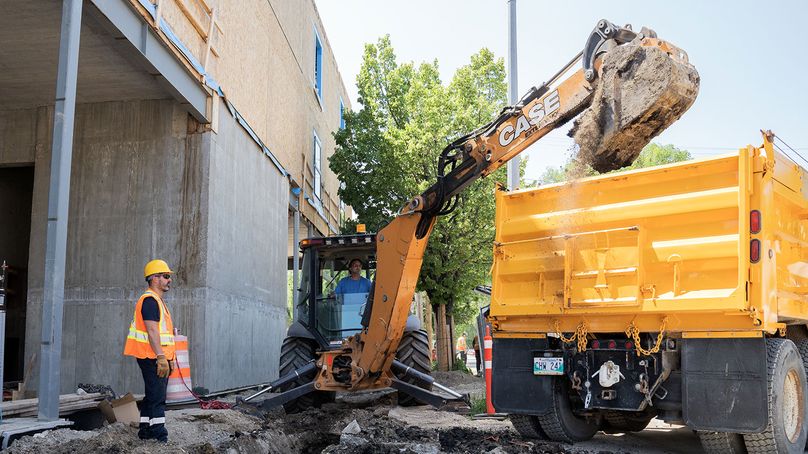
x,y
750,55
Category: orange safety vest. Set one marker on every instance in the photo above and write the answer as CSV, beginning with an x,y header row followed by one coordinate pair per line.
x,y
461,344
137,342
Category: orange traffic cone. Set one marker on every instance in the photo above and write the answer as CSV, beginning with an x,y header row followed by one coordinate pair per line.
x,y
179,382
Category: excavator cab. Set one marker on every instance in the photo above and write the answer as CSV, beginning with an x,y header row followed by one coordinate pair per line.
x,y
327,313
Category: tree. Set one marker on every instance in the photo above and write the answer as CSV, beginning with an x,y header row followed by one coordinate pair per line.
x,y
652,155
387,153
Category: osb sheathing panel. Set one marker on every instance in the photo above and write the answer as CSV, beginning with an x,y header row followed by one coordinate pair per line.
x,y
266,70
182,27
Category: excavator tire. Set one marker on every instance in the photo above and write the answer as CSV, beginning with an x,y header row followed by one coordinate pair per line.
x,y
560,423
414,352
297,352
528,426
623,421
722,443
787,429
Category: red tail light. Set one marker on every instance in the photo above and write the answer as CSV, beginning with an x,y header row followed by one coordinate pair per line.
x,y
754,251
612,344
754,221
596,344
629,345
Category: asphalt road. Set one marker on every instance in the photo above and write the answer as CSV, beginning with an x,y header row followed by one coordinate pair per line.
x,y
657,438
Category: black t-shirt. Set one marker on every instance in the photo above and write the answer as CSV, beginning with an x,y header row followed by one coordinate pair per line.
x,y
150,310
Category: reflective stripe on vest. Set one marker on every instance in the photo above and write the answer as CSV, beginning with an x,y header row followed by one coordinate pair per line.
x,y
137,341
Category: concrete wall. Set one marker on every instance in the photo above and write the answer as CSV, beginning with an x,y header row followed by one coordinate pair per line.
x,y
245,313
210,204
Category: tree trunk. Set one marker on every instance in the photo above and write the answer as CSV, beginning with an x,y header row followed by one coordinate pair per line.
x,y
452,339
428,323
444,349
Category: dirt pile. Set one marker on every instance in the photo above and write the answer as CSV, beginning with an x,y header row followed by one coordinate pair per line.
x,y
641,91
191,431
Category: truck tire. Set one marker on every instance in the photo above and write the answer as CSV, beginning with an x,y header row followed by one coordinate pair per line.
x,y
722,443
802,348
624,421
787,429
528,426
414,351
560,423
297,352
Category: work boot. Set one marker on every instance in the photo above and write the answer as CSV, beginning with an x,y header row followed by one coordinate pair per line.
x,y
145,432
159,433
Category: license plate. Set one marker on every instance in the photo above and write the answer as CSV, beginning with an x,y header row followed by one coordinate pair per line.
x,y
548,366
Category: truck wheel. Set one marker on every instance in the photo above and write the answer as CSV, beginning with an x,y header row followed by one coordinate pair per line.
x,y
297,352
560,423
722,443
623,421
414,351
528,426
787,429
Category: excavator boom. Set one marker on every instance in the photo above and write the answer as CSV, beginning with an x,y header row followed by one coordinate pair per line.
x,y
365,359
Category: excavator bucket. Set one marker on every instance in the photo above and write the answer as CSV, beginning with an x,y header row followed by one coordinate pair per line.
x,y
641,90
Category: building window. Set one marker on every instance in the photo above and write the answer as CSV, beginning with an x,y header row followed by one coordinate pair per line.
x,y
318,179
341,111
318,65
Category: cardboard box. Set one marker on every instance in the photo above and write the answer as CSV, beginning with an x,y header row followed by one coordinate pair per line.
x,y
121,410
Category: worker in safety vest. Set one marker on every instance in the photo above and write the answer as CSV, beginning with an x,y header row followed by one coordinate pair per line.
x,y
151,342
461,347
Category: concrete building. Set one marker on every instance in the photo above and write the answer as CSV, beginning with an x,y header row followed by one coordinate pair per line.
x,y
200,127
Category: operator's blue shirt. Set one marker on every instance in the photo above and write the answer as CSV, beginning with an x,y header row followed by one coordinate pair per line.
x,y
348,285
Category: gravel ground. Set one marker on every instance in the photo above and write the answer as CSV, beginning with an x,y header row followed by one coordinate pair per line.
x,y
369,422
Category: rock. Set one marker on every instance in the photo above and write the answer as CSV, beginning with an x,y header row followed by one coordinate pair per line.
x,y
640,92
352,428
352,440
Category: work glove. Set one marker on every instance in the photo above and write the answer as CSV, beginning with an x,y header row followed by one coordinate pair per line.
x,y
162,366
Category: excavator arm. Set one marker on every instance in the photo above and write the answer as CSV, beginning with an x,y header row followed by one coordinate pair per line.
x,y
365,359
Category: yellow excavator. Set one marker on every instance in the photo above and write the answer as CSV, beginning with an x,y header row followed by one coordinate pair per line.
x,y
341,344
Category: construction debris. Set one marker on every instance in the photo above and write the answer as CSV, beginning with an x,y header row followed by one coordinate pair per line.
x,y
641,92
68,403
350,425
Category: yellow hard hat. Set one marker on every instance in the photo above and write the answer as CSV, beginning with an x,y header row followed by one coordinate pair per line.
x,y
156,266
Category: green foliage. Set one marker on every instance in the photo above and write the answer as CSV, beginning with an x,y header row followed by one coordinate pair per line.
x,y
460,365
652,155
655,155
478,405
388,151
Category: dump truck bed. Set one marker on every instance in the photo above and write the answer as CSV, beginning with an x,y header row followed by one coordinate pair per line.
x,y
669,244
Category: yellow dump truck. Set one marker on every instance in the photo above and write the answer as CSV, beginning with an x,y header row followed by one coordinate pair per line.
x,y
678,292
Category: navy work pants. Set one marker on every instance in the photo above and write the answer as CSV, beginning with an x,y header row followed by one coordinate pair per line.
x,y
153,407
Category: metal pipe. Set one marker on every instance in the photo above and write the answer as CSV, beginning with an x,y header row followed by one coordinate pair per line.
x,y
58,199
295,248
447,390
513,88
3,287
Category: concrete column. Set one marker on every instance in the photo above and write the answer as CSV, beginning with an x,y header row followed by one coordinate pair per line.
x,y
58,198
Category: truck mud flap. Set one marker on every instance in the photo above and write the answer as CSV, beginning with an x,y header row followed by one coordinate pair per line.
x,y
514,388
724,384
